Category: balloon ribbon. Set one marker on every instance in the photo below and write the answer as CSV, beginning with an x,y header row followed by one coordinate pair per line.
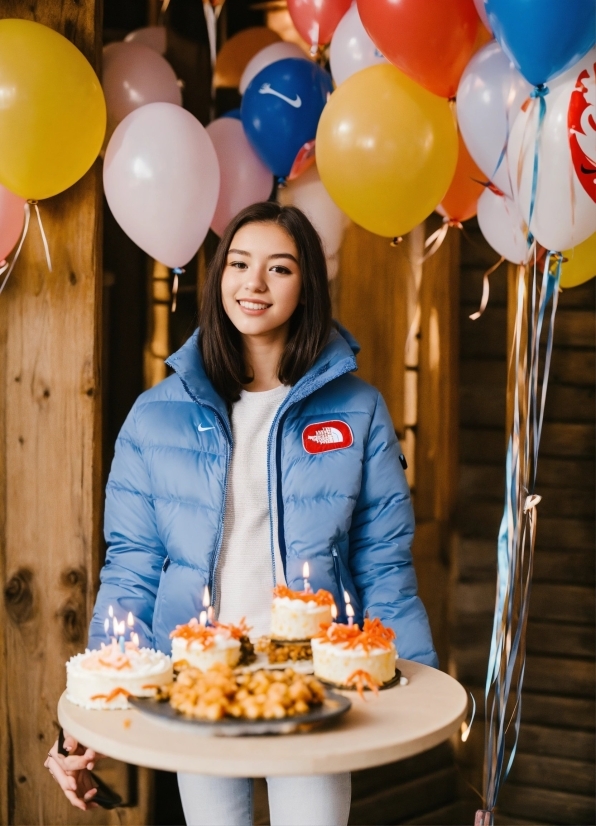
x,y
436,238
486,289
177,271
517,533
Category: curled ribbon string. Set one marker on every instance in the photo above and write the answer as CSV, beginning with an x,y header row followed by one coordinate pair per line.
x,y
538,93
436,238
43,235
177,271
3,266
20,247
517,534
486,289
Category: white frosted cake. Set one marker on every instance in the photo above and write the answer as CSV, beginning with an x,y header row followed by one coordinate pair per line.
x,y
342,653
298,615
106,677
201,646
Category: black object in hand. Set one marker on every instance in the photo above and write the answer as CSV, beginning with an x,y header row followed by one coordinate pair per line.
x,y
105,797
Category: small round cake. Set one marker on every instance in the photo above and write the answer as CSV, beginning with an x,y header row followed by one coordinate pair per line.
x,y
106,677
298,615
342,653
201,646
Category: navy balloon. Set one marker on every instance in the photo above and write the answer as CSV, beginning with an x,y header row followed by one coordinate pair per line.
x,y
543,37
232,113
281,108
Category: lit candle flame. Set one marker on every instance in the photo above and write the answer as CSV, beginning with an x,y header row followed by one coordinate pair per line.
x,y
347,598
334,612
135,639
106,625
130,620
465,732
305,571
203,617
206,597
110,612
115,626
121,628
349,611
210,614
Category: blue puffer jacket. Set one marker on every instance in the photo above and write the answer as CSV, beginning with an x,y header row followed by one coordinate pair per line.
x,y
345,509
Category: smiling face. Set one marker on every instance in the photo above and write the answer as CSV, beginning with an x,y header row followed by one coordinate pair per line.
x,y
261,284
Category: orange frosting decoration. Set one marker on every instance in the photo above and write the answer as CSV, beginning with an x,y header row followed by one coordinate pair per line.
x,y
236,631
193,631
321,597
373,635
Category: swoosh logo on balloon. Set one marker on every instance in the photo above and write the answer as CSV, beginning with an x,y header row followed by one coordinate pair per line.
x,y
267,90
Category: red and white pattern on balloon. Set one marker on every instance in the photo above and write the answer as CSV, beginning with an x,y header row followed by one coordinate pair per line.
x,y
581,121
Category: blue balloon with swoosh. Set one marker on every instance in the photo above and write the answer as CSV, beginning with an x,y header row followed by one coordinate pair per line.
x,y
543,38
281,108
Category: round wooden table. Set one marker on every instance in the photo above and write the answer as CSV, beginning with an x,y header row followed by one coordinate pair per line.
x,y
398,723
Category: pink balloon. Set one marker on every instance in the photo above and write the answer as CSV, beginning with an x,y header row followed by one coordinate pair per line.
x,y
245,179
156,37
12,218
134,75
161,180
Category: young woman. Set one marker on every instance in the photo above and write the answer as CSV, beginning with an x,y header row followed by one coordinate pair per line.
x,y
261,451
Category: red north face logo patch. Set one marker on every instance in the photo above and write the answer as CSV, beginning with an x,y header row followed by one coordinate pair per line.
x,y
324,436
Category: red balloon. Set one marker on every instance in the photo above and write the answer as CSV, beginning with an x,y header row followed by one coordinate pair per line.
x,y
316,20
429,40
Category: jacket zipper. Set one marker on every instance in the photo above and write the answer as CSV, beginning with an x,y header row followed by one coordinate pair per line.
x,y
166,564
338,582
219,542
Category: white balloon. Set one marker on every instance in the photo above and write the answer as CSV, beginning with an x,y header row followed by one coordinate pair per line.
x,y
155,37
270,54
351,48
564,211
502,225
308,194
490,95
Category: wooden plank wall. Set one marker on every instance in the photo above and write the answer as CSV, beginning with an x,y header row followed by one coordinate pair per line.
x,y
50,470
552,780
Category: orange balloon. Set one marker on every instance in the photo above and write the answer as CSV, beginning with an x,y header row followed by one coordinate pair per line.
x,y
237,51
461,199
483,36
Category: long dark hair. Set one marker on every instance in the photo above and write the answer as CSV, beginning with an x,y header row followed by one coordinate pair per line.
x,y
220,342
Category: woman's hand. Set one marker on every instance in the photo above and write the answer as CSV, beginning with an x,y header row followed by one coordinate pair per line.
x,y
73,773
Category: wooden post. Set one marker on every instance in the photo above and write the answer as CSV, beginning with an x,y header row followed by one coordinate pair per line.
x,y
50,467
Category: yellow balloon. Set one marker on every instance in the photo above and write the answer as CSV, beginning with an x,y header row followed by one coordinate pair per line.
x,y
52,111
386,150
581,263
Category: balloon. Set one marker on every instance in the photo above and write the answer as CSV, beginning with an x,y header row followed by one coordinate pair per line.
x,y
156,37
245,179
482,14
134,75
459,203
430,41
316,20
12,218
564,212
308,194
483,37
489,97
351,47
267,56
161,180
281,109
386,150
542,38
236,52
232,113
581,263
503,226
53,113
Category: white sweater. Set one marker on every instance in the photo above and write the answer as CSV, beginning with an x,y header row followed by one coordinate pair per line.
x,y
245,574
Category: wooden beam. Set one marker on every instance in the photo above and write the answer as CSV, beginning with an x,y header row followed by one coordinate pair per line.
x,y
50,466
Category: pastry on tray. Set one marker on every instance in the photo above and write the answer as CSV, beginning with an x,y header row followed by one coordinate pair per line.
x,y
105,678
261,695
202,646
298,615
346,656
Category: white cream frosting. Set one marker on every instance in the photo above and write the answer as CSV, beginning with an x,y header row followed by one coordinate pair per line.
x,y
295,619
335,663
102,671
224,649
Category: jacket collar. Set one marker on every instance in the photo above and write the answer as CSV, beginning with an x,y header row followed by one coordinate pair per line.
x,y
337,358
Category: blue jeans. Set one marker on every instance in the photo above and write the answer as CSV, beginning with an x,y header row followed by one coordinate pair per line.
x,y
315,800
